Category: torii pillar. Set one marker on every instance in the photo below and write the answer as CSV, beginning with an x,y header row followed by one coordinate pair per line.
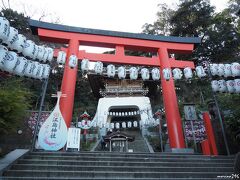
x,y
69,83
174,123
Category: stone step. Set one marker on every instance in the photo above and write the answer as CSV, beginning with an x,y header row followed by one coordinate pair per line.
x,y
85,178
124,163
112,174
116,154
127,159
45,167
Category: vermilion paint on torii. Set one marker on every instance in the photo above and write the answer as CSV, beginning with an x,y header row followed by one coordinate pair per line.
x,y
120,41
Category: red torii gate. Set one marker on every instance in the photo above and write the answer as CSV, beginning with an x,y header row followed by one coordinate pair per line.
x,y
74,37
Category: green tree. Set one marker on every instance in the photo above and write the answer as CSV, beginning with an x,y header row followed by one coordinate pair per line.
x,y
162,25
14,101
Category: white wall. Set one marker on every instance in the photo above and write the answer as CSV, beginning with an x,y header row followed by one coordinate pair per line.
x,y
105,104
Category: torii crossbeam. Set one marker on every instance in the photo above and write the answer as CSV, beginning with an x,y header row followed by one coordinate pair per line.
x,y
121,41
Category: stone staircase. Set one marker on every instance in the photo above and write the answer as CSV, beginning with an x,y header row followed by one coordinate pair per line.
x,y
139,144
105,165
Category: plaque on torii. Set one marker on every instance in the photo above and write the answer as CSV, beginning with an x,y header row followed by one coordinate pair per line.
x,y
121,41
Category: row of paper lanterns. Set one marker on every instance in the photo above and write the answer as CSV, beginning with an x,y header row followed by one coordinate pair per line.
x,y
128,124
145,72
17,42
231,86
226,70
132,113
111,71
18,65
86,124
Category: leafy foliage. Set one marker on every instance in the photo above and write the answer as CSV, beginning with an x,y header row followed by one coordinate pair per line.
x,y
14,101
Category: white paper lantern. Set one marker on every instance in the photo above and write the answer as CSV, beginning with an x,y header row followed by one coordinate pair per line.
x,y
237,85
46,71
129,124
112,125
167,73
222,86
50,54
230,86
13,35
30,68
177,74
227,70
29,49
135,124
4,29
40,53
35,52
157,121
85,65
36,70
83,122
73,61
116,113
21,68
45,55
111,70
215,86
220,69
117,125
188,73
235,68
126,113
200,72
61,58
214,69
40,70
121,72
133,73
10,62
3,55
98,68
155,74
18,45
124,125
145,74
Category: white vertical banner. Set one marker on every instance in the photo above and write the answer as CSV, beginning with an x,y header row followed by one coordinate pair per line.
x,y
190,112
73,139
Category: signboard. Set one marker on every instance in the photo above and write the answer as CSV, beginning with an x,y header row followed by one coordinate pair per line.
x,y
198,129
53,133
190,112
73,139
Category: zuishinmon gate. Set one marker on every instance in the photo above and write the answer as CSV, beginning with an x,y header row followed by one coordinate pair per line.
x,y
121,41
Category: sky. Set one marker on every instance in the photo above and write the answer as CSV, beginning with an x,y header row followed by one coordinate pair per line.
x,y
116,15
